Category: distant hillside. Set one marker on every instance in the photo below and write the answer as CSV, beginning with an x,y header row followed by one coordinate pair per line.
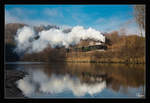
x,y
10,31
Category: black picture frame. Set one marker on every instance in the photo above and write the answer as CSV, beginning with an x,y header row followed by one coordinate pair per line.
x,y
28,2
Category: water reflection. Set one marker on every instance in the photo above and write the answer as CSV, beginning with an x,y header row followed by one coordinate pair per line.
x,y
40,83
82,79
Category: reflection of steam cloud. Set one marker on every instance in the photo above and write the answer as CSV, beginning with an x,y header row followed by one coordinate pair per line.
x,y
27,40
39,82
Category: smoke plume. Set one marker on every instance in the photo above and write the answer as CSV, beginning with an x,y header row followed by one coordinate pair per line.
x,y
29,41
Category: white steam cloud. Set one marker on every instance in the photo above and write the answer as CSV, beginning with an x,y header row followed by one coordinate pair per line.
x,y
26,41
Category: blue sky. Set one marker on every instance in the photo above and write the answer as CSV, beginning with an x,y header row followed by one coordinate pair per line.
x,y
100,17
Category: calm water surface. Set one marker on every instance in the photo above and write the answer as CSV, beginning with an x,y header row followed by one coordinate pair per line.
x,y
80,80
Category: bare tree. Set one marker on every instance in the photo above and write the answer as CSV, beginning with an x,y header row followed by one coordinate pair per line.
x,y
139,13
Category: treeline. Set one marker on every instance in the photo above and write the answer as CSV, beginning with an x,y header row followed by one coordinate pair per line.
x,y
47,55
120,48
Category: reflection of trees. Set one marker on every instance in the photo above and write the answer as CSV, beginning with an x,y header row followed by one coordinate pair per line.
x,y
57,68
124,75
116,75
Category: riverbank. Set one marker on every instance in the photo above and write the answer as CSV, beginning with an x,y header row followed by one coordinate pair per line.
x,y
89,60
106,60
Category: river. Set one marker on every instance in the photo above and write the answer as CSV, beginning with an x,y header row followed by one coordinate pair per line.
x,y
74,80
